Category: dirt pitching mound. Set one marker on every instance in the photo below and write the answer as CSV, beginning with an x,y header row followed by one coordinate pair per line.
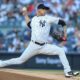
x,y
12,74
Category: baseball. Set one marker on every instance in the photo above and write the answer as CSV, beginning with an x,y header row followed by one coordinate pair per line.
x,y
24,8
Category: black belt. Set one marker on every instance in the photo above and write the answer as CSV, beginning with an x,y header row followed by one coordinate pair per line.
x,y
41,44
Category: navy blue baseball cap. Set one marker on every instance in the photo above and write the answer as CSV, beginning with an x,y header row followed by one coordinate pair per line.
x,y
42,6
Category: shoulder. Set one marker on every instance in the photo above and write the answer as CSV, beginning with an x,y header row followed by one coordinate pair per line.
x,y
51,16
35,17
48,16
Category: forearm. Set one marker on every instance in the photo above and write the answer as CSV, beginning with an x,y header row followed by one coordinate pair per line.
x,y
25,14
65,29
27,19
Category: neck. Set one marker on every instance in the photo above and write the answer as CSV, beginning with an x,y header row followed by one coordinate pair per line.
x,y
40,15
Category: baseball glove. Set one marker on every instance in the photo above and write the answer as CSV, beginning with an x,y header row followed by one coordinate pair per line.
x,y
57,32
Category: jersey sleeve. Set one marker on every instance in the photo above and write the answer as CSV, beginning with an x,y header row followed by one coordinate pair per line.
x,y
29,24
52,19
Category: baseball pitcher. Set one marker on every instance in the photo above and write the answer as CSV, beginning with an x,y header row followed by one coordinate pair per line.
x,y
40,29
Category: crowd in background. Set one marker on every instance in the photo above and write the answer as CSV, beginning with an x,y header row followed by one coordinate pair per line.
x,y
17,39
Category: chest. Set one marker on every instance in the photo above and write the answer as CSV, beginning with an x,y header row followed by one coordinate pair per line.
x,y
40,23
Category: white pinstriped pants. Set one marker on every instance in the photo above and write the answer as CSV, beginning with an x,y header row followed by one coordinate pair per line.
x,y
34,49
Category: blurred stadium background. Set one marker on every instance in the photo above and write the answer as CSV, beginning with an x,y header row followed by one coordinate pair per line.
x,y
15,36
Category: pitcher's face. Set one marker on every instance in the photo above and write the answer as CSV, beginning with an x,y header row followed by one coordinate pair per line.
x,y
41,12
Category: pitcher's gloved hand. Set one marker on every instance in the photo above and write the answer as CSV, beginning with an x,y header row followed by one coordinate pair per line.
x,y
57,32
63,39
